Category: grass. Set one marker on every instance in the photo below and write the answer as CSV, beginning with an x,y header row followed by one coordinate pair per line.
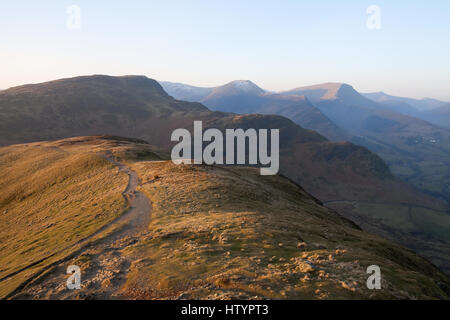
x,y
215,232
52,197
223,233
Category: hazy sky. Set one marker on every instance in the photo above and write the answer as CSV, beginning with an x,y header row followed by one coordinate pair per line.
x,y
277,44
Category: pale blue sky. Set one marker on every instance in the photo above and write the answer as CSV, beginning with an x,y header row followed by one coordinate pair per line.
x,y
277,44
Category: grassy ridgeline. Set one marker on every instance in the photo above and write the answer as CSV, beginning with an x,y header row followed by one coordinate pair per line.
x,y
215,232
52,197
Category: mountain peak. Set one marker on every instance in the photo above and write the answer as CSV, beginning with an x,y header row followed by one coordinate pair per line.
x,y
245,86
324,91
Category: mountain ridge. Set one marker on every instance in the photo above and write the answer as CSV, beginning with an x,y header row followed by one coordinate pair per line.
x,y
423,104
349,178
407,140
229,98
212,232
412,147
430,110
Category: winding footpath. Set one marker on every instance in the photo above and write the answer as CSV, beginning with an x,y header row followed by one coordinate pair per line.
x,y
107,266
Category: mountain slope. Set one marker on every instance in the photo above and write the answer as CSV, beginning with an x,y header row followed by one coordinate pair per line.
x,y
55,198
243,96
185,92
439,116
88,105
415,150
347,177
417,104
434,111
212,233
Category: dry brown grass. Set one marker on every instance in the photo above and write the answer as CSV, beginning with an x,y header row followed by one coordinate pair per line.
x,y
223,233
215,233
52,196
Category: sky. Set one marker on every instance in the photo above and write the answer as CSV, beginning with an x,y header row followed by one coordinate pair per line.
x,y
279,45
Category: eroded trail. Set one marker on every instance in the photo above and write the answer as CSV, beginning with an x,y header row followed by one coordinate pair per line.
x,y
104,262
137,216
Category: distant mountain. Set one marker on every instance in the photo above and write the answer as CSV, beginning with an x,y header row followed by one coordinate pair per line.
x,y
185,92
347,177
415,150
431,110
417,104
244,97
439,116
330,91
241,96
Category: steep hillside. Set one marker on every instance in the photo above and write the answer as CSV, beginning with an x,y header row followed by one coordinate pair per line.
x,y
86,105
347,177
161,231
243,97
415,150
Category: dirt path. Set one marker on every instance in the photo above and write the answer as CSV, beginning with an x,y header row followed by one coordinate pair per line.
x,y
137,217
104,265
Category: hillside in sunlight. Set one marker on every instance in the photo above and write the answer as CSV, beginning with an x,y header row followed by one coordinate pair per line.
x,y
140,227
347,177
